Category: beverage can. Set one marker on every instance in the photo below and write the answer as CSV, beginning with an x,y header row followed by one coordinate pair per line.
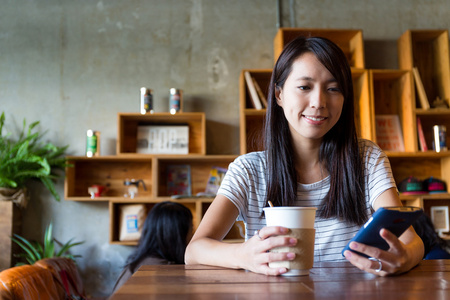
x,y
92,143
175,100
440,138
146,101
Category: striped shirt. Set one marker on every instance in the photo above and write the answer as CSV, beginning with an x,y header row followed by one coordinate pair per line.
x,y
245,186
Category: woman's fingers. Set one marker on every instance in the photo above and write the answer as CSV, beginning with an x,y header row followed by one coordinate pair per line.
x,y
381,262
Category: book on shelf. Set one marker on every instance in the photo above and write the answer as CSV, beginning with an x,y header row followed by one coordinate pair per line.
x,y
261,95
252,90
216,176
389,133
422,143
179,180
423,99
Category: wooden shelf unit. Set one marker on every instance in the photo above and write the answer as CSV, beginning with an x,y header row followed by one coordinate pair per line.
x,y
112,171
380,92
428,50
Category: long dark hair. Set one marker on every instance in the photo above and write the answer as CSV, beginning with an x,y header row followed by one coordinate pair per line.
x,y
164,234
339,149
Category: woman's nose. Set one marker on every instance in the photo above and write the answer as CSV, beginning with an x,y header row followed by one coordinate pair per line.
x,y
318,99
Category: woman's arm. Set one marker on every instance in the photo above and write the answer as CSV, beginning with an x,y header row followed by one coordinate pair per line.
x,y
206,246
404,253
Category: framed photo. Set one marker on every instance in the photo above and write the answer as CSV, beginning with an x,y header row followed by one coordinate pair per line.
x,y
389,133
439,217
163,139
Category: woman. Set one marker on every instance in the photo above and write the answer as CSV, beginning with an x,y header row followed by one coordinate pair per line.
x,y
312,158
165,234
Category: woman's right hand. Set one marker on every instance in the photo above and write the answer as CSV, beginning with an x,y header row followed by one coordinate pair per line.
x,y
255,252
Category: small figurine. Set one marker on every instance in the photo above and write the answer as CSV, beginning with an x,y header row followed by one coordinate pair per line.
x,y
133,187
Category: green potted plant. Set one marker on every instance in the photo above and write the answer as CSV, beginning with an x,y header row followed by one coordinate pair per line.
x,y
25,158
35,251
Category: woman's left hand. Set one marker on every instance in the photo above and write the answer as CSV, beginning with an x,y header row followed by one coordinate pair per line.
x,y
381,263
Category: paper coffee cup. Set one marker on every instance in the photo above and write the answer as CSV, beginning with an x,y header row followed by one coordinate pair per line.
x,y
300,221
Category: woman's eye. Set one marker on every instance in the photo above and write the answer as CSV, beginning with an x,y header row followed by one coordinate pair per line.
x,y
303,87
334,89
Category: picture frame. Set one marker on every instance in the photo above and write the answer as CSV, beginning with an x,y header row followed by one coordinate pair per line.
x,y
440,219
389,133
162,139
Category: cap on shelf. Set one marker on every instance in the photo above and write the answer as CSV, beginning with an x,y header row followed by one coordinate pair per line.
x,y
411,186
434,185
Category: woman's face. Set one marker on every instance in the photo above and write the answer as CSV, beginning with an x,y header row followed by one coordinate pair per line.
x,y
311,99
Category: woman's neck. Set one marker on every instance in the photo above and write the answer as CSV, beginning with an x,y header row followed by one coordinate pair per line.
x,y
309,168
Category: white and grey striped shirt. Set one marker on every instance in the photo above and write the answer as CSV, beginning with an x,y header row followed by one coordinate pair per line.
x,y
245,185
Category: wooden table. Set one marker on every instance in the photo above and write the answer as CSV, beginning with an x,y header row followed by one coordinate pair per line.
x,y
428,281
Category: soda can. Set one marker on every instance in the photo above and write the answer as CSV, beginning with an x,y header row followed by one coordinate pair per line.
x,y
92,143
175,101
146,101
440,138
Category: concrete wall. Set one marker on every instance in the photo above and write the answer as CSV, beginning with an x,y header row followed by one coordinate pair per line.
x,y
74,65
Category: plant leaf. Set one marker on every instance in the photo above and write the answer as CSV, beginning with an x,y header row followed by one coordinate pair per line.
x,y
49,246
67,246
51,187
26,246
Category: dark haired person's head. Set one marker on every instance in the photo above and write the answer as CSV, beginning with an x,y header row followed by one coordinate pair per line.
x,y
335,61
339,150
165,234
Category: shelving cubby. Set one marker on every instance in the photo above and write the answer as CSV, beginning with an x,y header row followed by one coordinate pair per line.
x,y
114,218
108,171
251,119
428,50
349,40
392,95
200,171
197,206
421,165
432,117
128,124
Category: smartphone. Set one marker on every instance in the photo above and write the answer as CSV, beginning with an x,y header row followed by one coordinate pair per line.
x,y
396,219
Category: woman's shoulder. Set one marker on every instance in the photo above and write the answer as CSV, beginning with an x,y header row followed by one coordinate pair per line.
x,y
369,147
250,164
258,157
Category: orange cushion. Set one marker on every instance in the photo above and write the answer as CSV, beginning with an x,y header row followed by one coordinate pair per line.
x,y
29,282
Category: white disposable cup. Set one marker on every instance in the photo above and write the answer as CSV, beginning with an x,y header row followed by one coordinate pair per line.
x,y
301,222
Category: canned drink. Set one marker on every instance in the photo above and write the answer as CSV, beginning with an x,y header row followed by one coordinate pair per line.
x,y
175,101
92,143
440,138
146,101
